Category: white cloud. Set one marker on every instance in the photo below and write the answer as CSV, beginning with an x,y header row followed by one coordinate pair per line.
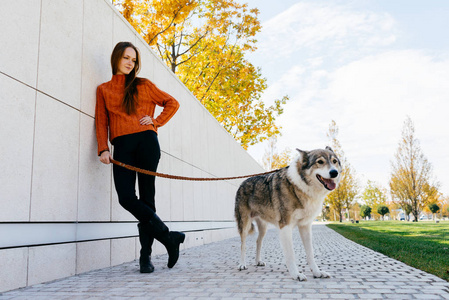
x,y
288,83
318,26
379,89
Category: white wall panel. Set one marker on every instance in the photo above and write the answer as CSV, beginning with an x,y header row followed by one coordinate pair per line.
x,y
19,50
163,188
162,77
14,264
163,135
51,262
55,164
121,31
185,130
118,213
196,124
93,255
60,50
176,192
16,148
123,250
147,60
94,189
197,197
176,142
97,39
187,193
207,198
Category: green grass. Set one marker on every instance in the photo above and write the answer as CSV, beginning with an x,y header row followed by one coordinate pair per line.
x,y
423,245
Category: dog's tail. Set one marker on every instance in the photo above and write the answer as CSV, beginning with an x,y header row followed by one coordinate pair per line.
x,y
238,218
241,223
242,218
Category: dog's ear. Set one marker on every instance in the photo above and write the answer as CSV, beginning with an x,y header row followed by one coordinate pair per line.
x,y
303,157
301,152
330,149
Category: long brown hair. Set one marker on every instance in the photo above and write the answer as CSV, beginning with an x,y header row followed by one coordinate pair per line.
x,y
131,80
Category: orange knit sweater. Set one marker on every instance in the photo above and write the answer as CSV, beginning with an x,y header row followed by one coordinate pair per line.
x,y
111,118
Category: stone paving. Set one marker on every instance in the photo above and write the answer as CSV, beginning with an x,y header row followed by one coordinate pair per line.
x,y
210,272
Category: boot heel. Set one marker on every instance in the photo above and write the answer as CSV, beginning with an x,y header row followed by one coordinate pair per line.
x,y
182,238
177,237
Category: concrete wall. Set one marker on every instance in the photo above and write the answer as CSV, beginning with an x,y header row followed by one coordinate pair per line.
x,y
59,213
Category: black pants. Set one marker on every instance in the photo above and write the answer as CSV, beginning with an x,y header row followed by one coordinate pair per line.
x,y
140,150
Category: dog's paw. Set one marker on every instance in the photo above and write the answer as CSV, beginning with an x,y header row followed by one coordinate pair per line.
x,y
243,267
260,264
300,277
321,274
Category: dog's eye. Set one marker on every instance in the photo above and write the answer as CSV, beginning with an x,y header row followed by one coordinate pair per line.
x,y
320,162
335,161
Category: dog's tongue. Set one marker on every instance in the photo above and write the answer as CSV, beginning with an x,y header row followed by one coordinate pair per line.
x,y
330,184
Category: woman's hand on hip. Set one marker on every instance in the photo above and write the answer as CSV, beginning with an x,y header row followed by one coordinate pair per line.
x,y
105,157
147,120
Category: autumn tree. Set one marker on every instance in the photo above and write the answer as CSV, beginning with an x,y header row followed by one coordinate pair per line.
x,y
204,42
182,29
343,197
374,195
444,202
411,177
354,211
273,160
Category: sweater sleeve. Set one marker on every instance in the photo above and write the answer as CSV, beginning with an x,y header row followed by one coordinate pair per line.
x,y
163,99
101,122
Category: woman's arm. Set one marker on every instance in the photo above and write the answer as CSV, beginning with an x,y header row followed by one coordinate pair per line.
x,y
101,123
163,99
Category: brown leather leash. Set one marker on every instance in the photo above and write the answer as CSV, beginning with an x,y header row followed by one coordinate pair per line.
x,y
182,177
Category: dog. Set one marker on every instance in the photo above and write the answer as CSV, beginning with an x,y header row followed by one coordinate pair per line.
x,y
291,196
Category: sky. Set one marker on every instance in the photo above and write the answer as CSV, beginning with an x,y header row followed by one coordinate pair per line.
x,y
367,65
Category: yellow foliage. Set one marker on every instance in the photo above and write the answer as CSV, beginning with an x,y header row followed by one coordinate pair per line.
x,y
204,42
410,181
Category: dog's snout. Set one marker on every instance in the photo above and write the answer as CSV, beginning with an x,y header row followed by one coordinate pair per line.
x,y
333,173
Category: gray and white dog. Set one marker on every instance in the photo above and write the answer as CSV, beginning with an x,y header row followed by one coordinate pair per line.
x,y
292,196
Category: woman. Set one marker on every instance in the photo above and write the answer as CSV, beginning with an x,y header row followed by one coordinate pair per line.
x,y
124,111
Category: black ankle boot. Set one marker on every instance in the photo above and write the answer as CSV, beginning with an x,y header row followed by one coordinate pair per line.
x,y
145,265
145,241
170,239
175,239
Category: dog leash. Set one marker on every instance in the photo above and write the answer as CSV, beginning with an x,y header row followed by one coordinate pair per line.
x,y
139,170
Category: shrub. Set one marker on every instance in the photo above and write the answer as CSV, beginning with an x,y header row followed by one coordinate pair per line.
x,y
365,211
382,210
434,208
